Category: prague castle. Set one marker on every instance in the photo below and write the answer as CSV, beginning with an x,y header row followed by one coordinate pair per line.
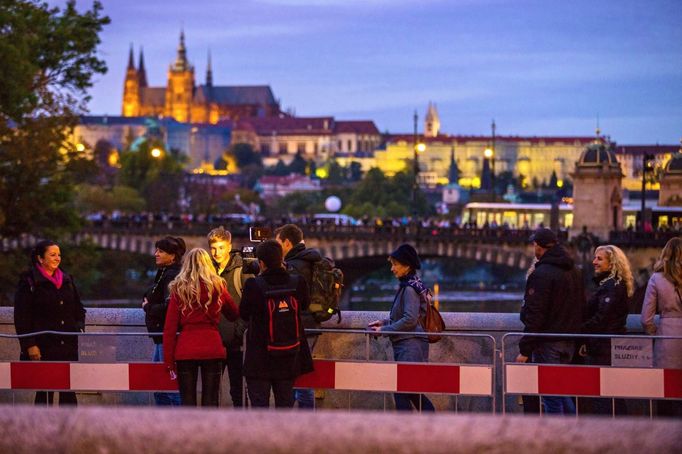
x,y
185,101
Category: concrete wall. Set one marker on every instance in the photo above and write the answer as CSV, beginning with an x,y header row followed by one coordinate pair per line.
x,y
467,350
152,430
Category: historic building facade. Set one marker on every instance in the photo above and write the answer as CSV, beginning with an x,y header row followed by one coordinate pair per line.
x,y
185,101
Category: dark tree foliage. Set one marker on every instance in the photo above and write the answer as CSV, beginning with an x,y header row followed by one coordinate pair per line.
x,y
47,62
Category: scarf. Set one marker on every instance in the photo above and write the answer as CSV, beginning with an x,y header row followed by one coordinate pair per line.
x,y
412,280
57,279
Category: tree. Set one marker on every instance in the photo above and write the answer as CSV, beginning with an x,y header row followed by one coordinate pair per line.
x,y
48,60
157,179
298,165
245,155
355,171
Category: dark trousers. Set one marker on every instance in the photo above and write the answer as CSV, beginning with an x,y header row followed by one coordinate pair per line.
x,y
555,352
259,392
415,349
47,398
188,372
234,363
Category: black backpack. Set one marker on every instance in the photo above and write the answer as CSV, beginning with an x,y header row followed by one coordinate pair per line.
x,y
325,290
283,318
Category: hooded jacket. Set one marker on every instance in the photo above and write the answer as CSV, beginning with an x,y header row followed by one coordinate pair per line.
x,y
554,299
299,261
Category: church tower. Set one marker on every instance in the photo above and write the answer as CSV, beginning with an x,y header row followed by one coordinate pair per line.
x,y
131,88
431,122
180,88
142,73
597,199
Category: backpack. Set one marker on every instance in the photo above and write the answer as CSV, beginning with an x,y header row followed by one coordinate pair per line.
x,y
325,290
283,319
432,322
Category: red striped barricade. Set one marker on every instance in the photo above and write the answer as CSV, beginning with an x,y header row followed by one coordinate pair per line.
x,y
454,379
613,382
71,376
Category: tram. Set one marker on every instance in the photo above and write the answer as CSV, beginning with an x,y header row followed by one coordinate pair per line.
x,y
532,215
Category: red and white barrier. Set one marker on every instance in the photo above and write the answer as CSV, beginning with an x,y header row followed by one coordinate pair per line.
x,y
341,375
399,377
43,375
593,381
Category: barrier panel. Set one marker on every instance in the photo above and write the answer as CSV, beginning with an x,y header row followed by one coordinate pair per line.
x,y
108,366
369,375
631,381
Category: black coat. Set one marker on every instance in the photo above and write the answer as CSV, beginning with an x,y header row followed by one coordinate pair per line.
x,y
607,313
158,296
40,306
299,261
554,299
253,309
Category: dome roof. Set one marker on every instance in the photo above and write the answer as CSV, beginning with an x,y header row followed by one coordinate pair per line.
x,y
598,154
675,163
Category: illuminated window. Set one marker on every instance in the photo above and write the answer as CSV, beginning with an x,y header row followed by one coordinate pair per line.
x,y
662,221
630,220
538,218
568,220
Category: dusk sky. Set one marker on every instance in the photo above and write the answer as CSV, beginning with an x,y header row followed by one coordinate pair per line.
x,y
536,67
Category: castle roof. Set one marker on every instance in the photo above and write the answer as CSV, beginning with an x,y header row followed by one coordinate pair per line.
x,y
356,126
259,95
448,138
645,149
286,125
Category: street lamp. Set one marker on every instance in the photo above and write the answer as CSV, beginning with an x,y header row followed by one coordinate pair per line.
x,y
156,152
489,154
415,167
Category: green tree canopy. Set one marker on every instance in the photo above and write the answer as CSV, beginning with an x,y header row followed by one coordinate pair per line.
x,y
48,60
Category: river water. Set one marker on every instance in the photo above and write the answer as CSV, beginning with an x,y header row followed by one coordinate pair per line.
x,y
463,286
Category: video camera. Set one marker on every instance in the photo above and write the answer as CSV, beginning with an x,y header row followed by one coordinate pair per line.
x,y
256,235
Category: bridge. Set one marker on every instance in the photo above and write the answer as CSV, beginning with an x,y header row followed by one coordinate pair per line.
x,y
499,246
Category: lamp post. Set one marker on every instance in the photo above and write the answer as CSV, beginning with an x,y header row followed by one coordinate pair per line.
x,y
415,167
646,167
489,153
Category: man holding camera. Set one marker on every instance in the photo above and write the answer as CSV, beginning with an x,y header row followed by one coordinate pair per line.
x,y
231,268
299,261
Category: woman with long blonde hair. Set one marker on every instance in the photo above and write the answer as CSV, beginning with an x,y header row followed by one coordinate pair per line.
x,y
664,295
198,297
607,311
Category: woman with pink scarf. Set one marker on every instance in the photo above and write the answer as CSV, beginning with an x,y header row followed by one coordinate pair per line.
x,y
47,300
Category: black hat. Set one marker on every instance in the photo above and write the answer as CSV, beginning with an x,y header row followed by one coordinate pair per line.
x,y
544,237
407,255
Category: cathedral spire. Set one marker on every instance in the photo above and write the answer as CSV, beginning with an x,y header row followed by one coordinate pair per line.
x,y
131,59
142,73
209,71
181,60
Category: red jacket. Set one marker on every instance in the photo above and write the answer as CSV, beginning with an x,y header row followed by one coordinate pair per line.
x,y
199,337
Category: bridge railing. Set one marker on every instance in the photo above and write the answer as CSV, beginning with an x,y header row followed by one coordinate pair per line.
x,y
331,231
642,239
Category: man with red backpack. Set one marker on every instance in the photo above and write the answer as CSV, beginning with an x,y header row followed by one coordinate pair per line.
x,y
276,351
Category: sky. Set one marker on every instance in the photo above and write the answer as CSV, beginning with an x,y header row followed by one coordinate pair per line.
x,y
537,67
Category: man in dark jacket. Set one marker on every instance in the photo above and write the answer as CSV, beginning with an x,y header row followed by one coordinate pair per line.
x,y
168,258
299,261
263,370
553,303
230,267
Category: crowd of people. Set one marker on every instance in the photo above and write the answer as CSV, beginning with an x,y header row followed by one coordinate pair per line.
x,y
209,311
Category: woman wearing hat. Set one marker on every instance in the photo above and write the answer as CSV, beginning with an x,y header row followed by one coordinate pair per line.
x,y
409,305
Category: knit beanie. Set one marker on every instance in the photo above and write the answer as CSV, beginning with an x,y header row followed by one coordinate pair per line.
x,y
407,255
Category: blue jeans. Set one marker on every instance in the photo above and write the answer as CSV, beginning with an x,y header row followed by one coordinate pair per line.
x,y
412,350
164,399
556,352
306,397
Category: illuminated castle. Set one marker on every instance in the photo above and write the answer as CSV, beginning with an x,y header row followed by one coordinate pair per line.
x,y
187,102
